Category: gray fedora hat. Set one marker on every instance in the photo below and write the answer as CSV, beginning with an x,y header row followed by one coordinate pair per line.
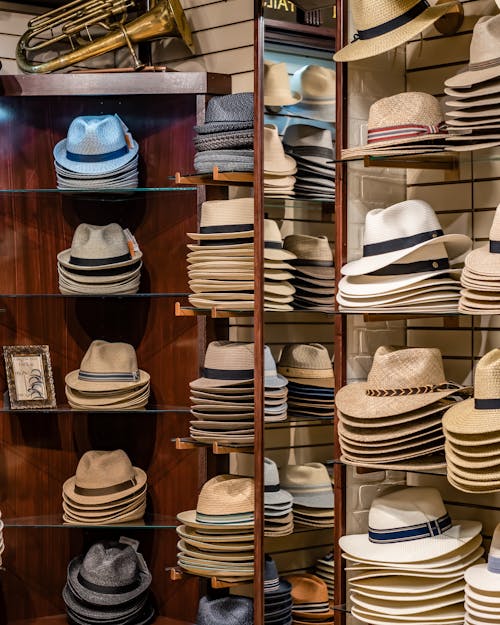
x,y
231,610
91,612
228,112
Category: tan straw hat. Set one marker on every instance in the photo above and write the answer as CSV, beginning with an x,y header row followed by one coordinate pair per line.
x,y
317,86
307,364
104,476
273,243
277,90
226,220
486,260
400,380
386,24
275,159
314,255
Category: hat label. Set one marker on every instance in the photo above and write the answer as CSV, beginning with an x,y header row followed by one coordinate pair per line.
x,y
397,22
433,527
393,245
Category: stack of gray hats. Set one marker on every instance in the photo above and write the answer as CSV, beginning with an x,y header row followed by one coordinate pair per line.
x,y
225,139
110,585
278,503
231,609
312,491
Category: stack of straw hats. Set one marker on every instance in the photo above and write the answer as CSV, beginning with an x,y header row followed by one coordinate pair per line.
x,y
311,488
223,399
472,430
314,272
316,86
221,262
312,149
482,590
411,563
108,379
278,291
279,168
473,116
324,569
405,265
277,596
278,503
225,139
216,539
102,260
310,600
105,490
406,123
232,609
481,276
277,90
309,371
109,585
393,420
98,153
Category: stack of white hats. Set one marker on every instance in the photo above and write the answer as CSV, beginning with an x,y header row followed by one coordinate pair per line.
x,y
312,491
410,565
279,169
406,263
324,569
278,291
278,503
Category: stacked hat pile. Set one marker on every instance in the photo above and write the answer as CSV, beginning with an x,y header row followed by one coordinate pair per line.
x,y
472,430
393,420
102,260
312,149
278,503
279,168
277,90
110,585
277,596
316,86
217,538
108,379
223,399
311,488
225,139
405,123
410,565
314,272
105,490
405,265
309,371
98,153
324,569
482,592
481,276
278,291
473,116
310,600
229,609
221,263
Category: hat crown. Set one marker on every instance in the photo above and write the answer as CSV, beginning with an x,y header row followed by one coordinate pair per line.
x,y
226,494
367,14
395,368
103,469
485,37
229,355
306,356
231,610
311,474
406,109
300,135
276,79
271,573
237,107
315,83
99,242
273,147
110,359
406,507
307,247
222,213
110,565
271,473
95,135
271,231
487,376
270,369
307,588
495,226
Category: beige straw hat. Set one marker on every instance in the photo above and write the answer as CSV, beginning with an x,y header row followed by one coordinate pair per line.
x,y
317,86
314,255
275,159
307,364
226,220
402,119
277,90
400,380
273,243
486,260
386,24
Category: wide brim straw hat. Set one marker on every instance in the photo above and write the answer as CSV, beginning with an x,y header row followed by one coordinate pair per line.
x,y
106,399
69,490
76,384
465,419
64,259
370,15
367,287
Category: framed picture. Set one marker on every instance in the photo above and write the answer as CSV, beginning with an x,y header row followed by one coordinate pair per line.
x,y
29,376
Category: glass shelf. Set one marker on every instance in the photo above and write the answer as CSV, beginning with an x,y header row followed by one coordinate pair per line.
x,y
298,202
91,296
111,192
157,409
439,472
150,521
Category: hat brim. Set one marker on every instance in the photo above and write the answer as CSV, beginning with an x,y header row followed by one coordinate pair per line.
x,y
487,596
465,419
372,149
76,384
64,259
102,167
366,48
214,539
288,99
223,126
320,111
482,261
188,518
69,490
99,613
469,78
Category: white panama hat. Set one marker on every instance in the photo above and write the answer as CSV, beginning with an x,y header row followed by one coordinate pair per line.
x,y
486,577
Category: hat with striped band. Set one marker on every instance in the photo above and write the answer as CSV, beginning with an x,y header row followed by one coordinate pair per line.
x,y
107,367
225,222
409,525
310,597
274,586
309,484
307,364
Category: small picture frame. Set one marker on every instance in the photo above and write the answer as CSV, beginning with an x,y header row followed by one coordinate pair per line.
x,y
29,377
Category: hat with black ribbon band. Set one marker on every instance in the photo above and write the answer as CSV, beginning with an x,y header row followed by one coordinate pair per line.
x,y
397,22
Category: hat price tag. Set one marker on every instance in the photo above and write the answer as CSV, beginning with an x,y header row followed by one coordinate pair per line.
x,y
124,540
126,132
132,242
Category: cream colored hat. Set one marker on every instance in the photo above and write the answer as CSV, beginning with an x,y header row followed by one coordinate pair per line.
x,y
314,255
275,159
226,220
309,484
307,364
402,119
273,243
485,578
107,367
277,90
317,85
386,24
486,260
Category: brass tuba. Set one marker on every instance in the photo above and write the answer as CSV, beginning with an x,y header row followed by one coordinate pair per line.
x,y
72,23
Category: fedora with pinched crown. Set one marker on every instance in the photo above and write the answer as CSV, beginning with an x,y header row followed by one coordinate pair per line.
x,y
225,220
394,232
106,367
275,159
309,143
97,248
485,578
228,112
231,610
316,84
96,144
307,364
309,484
310,597
277,91
386,24
314,254
102,477
273,243
400,380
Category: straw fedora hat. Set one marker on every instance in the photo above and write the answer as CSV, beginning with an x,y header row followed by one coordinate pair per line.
x,y
277,91
107,366
409,525
98,248
317,86
400,380
275,159
310,597
314,255
394,232
273,243
309,484
484,64
307,364
226,219
486,260
102,477
386,24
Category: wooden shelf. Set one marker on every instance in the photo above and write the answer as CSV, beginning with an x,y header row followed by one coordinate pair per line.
x,y
441,160
176,574
217,178
61,619
215,313
217,448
